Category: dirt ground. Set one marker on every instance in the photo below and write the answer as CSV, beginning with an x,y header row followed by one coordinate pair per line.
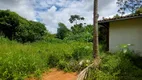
x,y
55,74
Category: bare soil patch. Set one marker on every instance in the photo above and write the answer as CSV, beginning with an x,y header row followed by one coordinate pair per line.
x,y
55,74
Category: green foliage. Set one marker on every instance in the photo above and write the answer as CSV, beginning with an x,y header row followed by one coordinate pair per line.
x,y
62,31
80,33
84,36
85,33
75,18
118,66
17,61
138,11
116,16
82,53
128,6
8,23
77,29
51,38
95,74
17,28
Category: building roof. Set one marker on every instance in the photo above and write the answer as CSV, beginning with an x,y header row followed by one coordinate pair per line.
x,y
105,20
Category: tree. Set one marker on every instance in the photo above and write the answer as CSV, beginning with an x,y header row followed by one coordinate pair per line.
x,y
8,23
62,31
97,60
128,6
95,35
17,28
78,28
139,11
116,16
75,18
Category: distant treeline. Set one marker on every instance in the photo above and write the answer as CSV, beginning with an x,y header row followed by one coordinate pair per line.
x,y
15,27
80,31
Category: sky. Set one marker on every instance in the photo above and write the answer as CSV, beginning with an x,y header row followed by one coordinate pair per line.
x,y
51,12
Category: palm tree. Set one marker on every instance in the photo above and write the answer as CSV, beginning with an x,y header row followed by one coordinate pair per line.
x,y
97,60
95,35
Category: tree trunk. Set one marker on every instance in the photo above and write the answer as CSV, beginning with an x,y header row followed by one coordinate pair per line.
x,y
97,60
95,33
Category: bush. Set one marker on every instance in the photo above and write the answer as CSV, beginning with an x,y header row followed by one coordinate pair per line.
x,y
53,60
20,64
83,36
62,31
94,74
82,53
18,61
118,66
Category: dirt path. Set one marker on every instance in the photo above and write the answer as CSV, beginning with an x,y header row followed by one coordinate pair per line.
x,y
55,74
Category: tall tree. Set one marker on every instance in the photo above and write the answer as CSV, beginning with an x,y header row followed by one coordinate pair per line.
x,y
62,31
77,27
95,35
17,28
128,6
97,60
75,18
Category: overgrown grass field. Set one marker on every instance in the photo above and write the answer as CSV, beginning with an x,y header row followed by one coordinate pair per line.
x,y
17,60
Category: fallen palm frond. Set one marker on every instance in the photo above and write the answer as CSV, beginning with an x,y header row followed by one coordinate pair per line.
x,y
83,74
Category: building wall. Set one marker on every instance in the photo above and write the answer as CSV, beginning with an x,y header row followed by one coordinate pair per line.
x,y
126,32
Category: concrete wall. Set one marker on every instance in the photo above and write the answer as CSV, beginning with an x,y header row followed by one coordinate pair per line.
x,y
126,32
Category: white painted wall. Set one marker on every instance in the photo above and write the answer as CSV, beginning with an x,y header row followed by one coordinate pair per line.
x,y
126,32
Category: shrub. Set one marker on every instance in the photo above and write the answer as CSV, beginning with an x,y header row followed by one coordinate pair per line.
x,y
53,60
18,65
94,74
82,53
62,31
118,66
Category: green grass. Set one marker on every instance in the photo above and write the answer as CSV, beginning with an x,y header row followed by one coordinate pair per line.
x,y
17,61
118,66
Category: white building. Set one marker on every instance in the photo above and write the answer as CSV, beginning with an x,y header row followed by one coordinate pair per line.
x,y
124,30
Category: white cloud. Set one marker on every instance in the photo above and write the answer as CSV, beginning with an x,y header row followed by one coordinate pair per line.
x,y
83,8
22,7
59,10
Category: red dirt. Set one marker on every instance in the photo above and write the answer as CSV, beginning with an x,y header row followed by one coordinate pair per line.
x,y
55,74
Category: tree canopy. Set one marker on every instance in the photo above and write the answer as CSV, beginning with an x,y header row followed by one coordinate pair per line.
x,y
62,31
128,6
138,11
75,18
17,28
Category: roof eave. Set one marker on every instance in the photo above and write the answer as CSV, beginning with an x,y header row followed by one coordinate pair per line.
x,y
118,19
